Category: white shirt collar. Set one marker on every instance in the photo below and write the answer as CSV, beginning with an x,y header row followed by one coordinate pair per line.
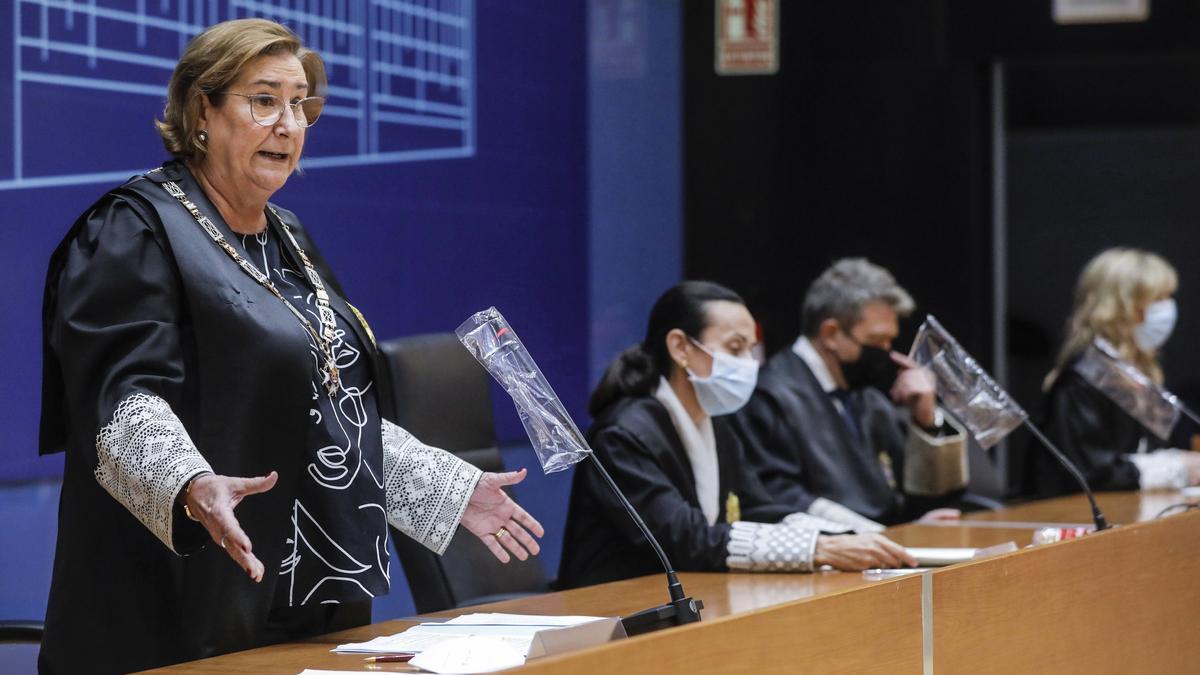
x,y
808,353
700,444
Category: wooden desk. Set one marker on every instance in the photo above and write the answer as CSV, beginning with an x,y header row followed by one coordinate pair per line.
x,y
1121,600
1120,508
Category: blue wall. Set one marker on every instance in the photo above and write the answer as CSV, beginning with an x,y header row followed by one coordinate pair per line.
x,y
635,162
557,200
418,245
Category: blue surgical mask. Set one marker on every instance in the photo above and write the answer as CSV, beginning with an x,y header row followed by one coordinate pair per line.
x,y
729,386
1156,327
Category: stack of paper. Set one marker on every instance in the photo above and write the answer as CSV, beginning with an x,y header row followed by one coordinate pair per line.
x,y
937,557
515,630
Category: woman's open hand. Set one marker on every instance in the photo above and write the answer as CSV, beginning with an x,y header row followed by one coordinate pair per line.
x,y
212,499
498,521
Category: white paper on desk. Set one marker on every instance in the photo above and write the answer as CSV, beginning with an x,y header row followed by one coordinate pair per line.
x,y
497,619
938,557
426,636
517,630
468,655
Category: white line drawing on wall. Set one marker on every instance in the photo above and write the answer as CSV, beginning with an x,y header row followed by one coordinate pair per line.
x,y
401,73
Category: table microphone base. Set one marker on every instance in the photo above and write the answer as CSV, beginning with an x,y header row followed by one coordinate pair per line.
x,y
677,613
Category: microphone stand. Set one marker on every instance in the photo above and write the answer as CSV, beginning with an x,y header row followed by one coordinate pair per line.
x,y
681,609
1097,516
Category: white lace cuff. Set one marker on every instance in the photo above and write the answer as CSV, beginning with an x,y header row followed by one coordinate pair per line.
x,y
760,547
145,457
427,488
1161,470
850,520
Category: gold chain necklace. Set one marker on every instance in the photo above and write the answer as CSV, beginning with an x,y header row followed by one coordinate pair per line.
x,y
325,337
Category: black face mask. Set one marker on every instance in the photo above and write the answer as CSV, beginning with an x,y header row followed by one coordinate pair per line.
x,y
874,368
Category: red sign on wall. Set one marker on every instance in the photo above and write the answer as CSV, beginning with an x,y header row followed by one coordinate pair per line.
x,y
747,37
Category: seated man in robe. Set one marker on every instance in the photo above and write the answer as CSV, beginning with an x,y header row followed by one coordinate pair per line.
x,y
841,416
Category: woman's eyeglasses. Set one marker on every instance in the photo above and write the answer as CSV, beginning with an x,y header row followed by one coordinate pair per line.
x,y
267,108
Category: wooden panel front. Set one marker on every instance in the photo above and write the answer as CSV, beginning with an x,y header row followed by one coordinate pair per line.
x,y
1117,601
724,595
875,628
1120,601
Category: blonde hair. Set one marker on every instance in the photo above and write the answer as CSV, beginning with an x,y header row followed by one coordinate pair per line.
x,y
215,59
1113,291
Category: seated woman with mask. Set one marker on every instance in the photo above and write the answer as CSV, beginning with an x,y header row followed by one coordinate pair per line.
x,y
661,430
1124,296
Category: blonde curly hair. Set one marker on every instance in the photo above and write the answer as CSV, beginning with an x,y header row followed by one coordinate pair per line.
x,y
215,59
1111,297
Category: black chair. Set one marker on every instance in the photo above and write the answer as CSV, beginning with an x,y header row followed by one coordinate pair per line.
x,y
19,644
21,631
442,395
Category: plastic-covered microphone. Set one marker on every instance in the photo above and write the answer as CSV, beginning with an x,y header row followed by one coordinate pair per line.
x,y
682,609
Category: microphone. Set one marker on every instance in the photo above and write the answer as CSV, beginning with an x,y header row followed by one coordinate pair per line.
x,y
979,402
1097,516
682,609
558,444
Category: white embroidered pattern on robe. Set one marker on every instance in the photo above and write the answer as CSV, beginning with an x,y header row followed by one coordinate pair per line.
x,y
763,547
427,488
145,458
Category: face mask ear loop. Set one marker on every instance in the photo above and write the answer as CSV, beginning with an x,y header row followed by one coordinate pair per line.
x,y
704,349
700,346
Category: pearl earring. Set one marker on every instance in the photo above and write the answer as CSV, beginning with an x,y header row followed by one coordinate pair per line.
x,y
202,136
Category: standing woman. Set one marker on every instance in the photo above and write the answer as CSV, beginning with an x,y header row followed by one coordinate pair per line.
x,y
661,430
199,351
1124,295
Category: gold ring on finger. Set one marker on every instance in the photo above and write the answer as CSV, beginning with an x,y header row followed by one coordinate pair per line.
x,y
500,534
223,539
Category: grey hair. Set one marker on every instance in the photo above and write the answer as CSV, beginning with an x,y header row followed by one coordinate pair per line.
x,y
842,290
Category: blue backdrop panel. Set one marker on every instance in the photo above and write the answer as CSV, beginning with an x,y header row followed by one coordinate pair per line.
x,y
635,153
447,175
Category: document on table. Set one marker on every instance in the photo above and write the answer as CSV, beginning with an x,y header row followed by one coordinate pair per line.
x,y
515,630
936,557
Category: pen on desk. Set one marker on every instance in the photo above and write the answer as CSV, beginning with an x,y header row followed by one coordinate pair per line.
x,y
390,658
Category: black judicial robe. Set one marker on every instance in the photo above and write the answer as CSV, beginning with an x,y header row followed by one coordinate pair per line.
x,y
799,445
156,307
637,442
1093,432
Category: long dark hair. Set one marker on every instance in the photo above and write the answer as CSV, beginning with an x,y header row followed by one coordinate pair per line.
x,y
636,370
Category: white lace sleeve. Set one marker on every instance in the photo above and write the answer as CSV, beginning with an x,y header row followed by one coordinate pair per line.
x,y
427,488
842,515
145,457
1161,469
762,547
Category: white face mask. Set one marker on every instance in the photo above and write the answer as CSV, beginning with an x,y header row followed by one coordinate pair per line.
x,y
1154,330
728,387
